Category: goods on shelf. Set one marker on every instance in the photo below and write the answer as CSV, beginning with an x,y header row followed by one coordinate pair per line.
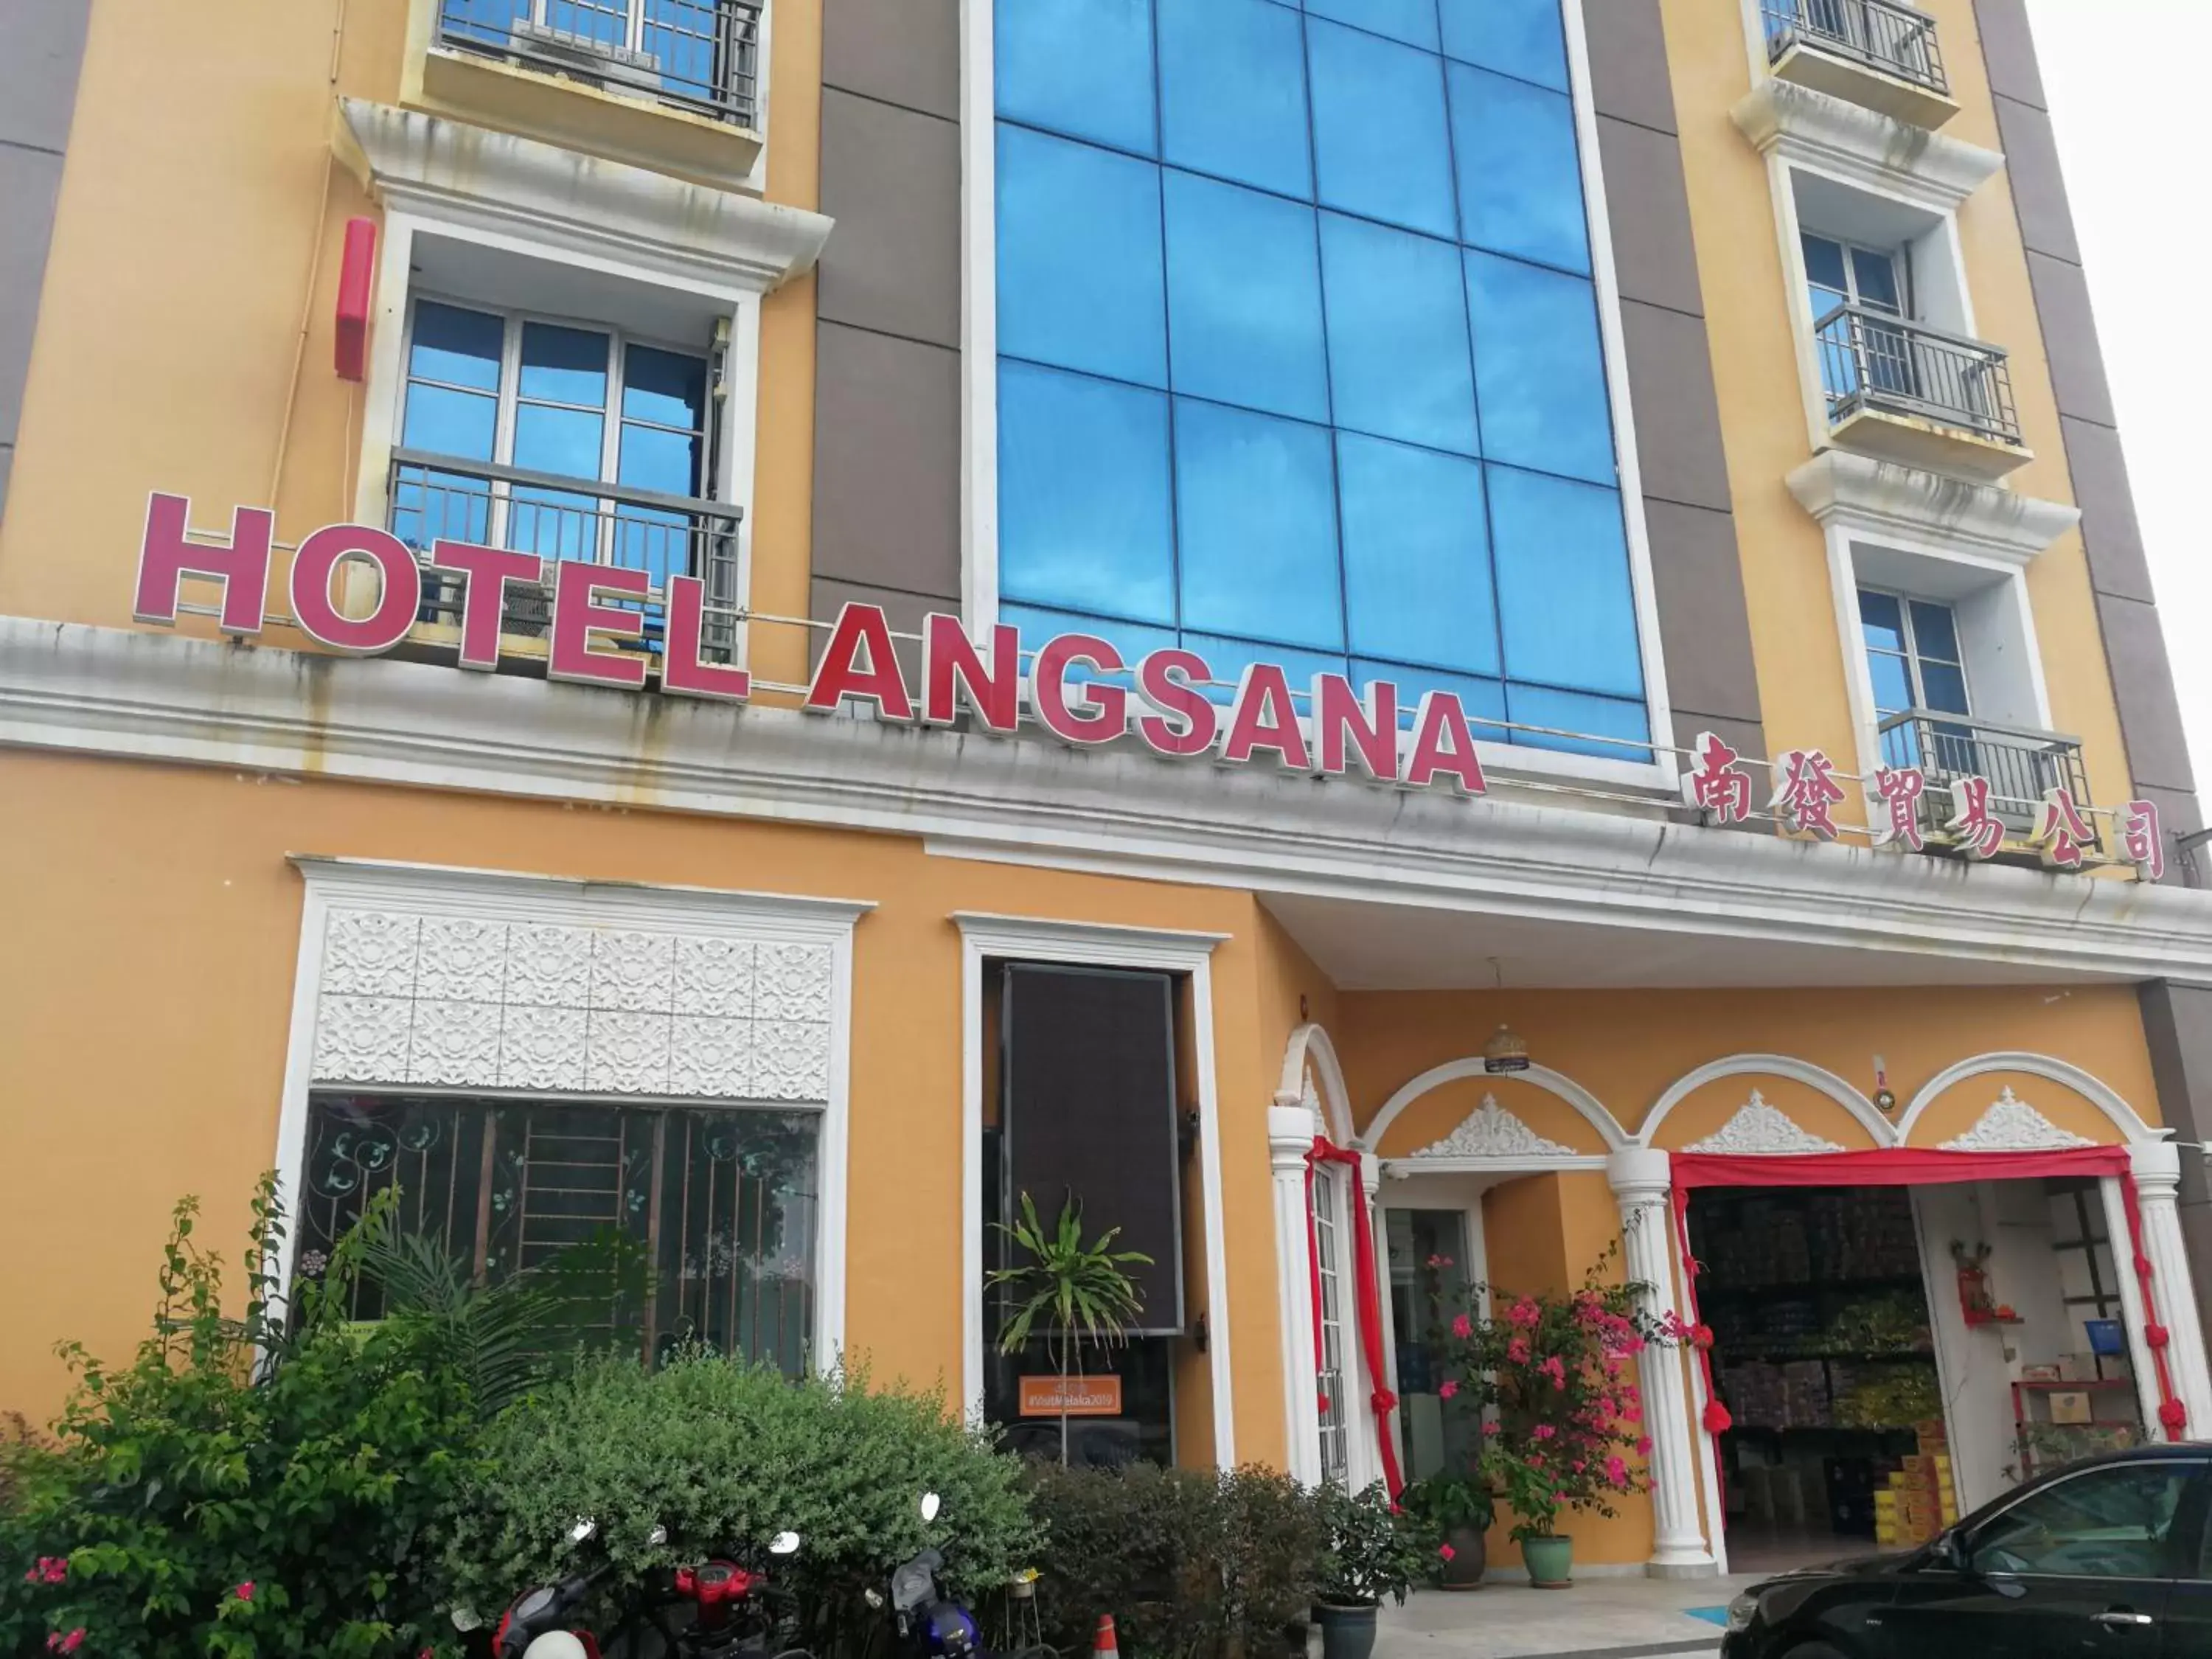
x,y
1920,1498
1886,1396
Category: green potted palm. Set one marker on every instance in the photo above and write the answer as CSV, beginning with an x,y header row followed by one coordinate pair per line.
x,y
1457,1508
1076,1292
1371,1548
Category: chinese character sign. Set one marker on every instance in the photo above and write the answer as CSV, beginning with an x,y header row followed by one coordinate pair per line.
x,y
2143,839
1806,792
2061,832
1978,830
1714,784
1897,791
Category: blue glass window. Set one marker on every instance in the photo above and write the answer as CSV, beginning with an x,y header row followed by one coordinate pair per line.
x,y
1245,298
1519,174
1380,144
1233,93
1299,354
1080,258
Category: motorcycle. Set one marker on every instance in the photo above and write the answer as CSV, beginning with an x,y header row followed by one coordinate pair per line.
x,y
730,1619
926,1623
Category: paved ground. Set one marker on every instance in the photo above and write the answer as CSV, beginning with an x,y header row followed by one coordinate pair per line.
x,y
1597,1619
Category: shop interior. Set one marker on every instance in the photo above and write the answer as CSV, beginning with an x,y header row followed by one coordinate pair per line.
x,y
1890,1355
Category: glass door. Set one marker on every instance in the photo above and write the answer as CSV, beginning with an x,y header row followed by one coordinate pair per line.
x,y
1429,1281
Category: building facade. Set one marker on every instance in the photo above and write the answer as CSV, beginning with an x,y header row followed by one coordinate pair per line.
x,y
1402,644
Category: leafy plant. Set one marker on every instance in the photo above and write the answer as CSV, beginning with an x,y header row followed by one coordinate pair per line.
x,y
1192,1564
1451,1503
1078,1290
1563,1416
725,1455
275,1482
1369,1548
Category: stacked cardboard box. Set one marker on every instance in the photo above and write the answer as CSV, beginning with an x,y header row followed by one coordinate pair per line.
x,y
1920,1498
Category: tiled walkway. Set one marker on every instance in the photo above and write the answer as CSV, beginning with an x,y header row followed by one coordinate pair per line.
x,y
1615,1617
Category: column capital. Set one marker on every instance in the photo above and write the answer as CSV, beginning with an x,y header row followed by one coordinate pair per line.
x,y
1290,1131
1370,1173
1640,1175
2156,1165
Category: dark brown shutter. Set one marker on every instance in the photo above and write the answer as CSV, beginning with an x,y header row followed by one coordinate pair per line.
x,y
1090,1113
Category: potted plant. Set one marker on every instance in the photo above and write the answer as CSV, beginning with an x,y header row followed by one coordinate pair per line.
x,y
1078,1289
1457,1509
1370,1549
1563,1415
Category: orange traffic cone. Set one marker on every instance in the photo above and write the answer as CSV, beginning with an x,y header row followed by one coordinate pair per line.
x,y
1105,1647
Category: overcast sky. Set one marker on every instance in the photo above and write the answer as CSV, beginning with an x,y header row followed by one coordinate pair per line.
x,y
2124,79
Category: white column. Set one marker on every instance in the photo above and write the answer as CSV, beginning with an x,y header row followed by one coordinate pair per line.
x,y
1641,1181
1290,1138
2157,1166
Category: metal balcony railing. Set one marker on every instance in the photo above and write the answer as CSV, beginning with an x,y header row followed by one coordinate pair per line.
x,y
2021,764
699,55
433,495
1879,33
1872,359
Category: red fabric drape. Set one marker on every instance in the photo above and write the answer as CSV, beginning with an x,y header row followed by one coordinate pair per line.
x,y
1367,1300
1904,1166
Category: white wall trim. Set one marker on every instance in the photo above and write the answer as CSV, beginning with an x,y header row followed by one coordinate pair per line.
x,y
1036,938
1862,146
1310,1047
1556,1084
979,319
173,700
2133,1131
336,886
1815,1078
1886,501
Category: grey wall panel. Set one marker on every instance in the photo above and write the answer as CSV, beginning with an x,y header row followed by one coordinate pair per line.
x,y
898,51
887,468
1629,78
891,178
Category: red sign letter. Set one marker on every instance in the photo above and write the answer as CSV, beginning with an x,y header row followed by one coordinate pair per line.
x,y
839,675
399,579
1347,727
577,616
1442,744
483,602
1104,715
1263,717
164,558
951,665
1163,683
2144,841
682,671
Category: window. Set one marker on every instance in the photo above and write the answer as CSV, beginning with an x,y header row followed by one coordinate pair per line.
x,y
502,412
715,1207
1862,352
1299,349
1335,1437
2111,1522
1913,659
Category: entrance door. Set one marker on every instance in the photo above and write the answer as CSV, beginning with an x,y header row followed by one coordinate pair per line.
x,y
2084,1567
1429,1280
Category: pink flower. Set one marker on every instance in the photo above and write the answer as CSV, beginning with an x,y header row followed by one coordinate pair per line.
x,y
1462,1327
1440,1261
1490,1427
1543,1431
1607,1410
1516,1351
1556,1369
1446,1551
58,1643
245,1591
1449,1389
1643,1445
1632,1411
1535,1460
50,1570
1524,1314
1616,1473
1635,1344
1579,1466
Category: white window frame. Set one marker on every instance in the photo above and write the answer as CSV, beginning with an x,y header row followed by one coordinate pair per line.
x,y
1905,601
979,420
1327,1217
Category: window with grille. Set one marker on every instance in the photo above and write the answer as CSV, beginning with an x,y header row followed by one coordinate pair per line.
x,y
716,1208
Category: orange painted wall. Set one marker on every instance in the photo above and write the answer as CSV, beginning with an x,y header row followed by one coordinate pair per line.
x,y
1797,644
145,1000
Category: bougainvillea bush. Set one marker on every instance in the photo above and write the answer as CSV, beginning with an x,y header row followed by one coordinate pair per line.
x,y
1554,1377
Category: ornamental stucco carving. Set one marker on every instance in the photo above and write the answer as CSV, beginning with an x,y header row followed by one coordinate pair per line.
x,y
1490,1131
2011,1124
1762,1130
462,1002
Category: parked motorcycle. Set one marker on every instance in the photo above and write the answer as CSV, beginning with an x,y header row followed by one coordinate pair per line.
x,y
927,1623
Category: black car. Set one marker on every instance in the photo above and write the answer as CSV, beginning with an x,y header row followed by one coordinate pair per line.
x,y
2111,1556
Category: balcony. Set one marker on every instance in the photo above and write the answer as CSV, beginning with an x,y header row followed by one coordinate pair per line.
x,y
1900,390
555,517
669,84
2019,763
1875,53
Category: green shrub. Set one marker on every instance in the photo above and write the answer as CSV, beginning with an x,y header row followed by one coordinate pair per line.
x,y
1371,1548
244,1486
1191,1564
725,1455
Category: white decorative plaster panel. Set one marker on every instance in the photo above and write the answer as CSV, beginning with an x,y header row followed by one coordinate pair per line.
x,y
1760,1128
2011,1124
1490,1131
463,1001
